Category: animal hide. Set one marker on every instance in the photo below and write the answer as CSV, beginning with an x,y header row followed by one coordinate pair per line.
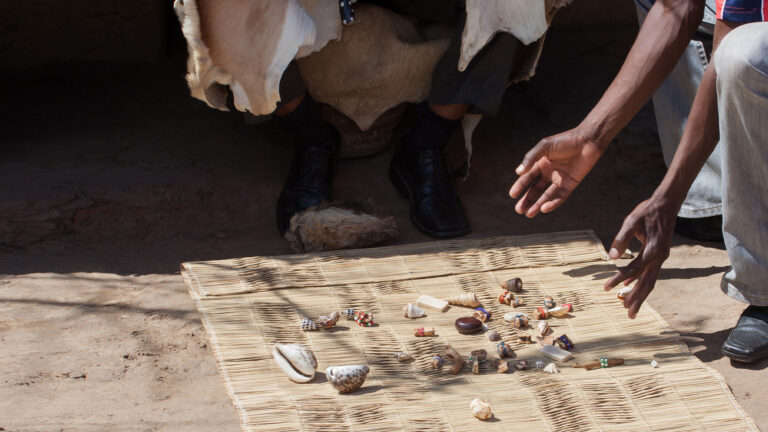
x,y
247,44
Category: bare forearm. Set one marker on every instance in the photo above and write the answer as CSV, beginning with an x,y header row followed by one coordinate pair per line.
x,y
665,34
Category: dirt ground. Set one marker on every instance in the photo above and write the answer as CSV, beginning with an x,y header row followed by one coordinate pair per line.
x,y
111,176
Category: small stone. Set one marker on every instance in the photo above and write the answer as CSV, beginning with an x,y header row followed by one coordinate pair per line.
x,y
494,336
521,365
503,367
468,325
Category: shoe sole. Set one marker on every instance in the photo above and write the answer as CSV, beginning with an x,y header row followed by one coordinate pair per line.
x,y
401,186
743,358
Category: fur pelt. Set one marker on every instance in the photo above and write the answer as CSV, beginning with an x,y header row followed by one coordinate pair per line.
x,y
340,225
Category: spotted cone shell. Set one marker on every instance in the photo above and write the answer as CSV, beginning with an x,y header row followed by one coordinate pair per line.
x,y
347,379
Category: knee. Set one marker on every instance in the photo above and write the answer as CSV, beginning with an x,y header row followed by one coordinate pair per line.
x,y
743,53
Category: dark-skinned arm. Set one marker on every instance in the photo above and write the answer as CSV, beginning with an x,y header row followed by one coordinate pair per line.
x,y
653,221
557,164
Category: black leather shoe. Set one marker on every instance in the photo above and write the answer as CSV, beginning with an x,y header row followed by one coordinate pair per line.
x,y
308,183
748,341
424,178
708,229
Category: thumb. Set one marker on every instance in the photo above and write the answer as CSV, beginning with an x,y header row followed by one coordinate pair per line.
x,y
538,151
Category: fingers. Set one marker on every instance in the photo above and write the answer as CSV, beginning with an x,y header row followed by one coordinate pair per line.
x,y
631,271
538,151
621,242
525,204
524,182
642,289
553,197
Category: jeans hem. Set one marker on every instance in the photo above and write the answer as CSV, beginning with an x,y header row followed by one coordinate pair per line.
x,y
750,297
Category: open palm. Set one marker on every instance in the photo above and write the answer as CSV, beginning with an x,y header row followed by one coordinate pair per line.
x,y
552,170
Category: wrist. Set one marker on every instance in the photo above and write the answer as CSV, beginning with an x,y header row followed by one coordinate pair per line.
x,y
595,131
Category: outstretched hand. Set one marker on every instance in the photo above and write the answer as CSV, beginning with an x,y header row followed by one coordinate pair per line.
x,y
552,170
653,223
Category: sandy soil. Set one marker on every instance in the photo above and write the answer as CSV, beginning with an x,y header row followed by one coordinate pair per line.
x,y
110,177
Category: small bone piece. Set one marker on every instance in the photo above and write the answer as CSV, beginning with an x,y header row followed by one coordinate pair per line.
x,y
597,365
465,299
506,297
403,357
503,367
543,328
549,302
521,365
503,350
424,331
430,302
517,302
542,313
482,314
524,338
561,311
515,285
551,368
556,353
437,362
456,358
494,336
481,409
412,311
624,292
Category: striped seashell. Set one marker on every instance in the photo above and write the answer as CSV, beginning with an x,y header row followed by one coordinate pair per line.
x,y
308,325
466,299
329,321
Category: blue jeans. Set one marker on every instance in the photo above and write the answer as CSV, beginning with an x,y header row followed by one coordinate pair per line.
x,y
672,103
741,63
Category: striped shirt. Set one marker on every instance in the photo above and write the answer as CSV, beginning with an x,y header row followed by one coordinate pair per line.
x,y
742,11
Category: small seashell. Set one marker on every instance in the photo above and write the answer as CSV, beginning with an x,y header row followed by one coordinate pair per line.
x,y
308,325
482,314
551,368
456,358
542,313
549,302
539,364
503,367
297,361
503,350
494,336
347,379
517,302
349,314
329,321
506,297
468,325
403,356
412,311
481,409
515,285
561,311
654,364
543,328
437,362
524,338
424,331
624,292
521,365
466,299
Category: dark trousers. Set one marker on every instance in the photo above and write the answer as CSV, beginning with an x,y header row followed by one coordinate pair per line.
x,y
481,85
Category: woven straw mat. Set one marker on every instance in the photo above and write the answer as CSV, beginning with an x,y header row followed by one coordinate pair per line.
x,y
249,304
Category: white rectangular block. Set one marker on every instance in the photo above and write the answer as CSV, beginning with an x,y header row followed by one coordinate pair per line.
x,y
555,353
431,303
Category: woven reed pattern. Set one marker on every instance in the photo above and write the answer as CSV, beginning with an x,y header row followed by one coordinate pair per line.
x,y
249,304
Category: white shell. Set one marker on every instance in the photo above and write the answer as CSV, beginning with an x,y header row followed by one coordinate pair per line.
x,y
624,292
481,409
551,368
654,364
297,361
412,311
544,328
347,379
